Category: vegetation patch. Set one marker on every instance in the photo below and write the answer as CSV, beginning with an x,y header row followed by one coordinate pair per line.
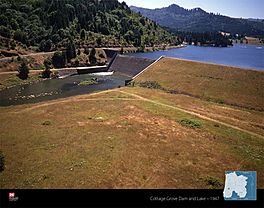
x,y
150,85
89,82
190,123
46,123
7,81
213,182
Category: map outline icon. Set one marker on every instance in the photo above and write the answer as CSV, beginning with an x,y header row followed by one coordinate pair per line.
x,y
240,185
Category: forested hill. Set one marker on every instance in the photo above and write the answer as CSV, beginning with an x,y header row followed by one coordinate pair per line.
x,y
197,20
48,24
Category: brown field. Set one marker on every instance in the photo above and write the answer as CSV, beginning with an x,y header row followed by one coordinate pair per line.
x,y
222,84
253,41
136,137
248,120
250,41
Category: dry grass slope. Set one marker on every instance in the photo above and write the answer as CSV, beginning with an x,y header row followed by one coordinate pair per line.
x,y
222,84
88,142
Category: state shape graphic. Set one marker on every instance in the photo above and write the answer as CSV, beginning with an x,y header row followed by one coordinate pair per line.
x,y
235,183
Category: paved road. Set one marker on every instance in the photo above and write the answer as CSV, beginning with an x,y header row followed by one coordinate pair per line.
x,y
80,68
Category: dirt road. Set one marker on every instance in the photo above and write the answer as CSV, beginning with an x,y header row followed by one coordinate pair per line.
x,y
31,54
138,97
192,113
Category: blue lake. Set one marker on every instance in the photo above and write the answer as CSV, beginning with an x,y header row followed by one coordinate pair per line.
x,y
240,55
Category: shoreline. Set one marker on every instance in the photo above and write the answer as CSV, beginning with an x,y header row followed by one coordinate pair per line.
x,y
147,49
201,62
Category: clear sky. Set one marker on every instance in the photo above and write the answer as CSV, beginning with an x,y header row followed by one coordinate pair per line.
x,y
232,8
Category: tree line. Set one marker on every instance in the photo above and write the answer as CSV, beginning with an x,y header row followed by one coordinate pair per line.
x,y
215,39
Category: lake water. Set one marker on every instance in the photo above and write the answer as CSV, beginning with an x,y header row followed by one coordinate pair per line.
x,y
240,55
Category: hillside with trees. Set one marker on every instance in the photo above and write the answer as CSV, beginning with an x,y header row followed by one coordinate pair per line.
x,y
214,39
49,25
198,20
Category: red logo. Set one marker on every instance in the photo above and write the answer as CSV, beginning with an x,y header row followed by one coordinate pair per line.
x,y
11,195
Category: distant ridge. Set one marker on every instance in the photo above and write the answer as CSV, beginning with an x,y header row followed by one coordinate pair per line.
x,y
177,18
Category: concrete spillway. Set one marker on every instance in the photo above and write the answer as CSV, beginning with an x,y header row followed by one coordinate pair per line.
x,y
128,65
124,65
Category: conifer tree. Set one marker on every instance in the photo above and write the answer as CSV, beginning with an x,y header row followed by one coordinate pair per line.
x,y
70,51
82,35
92,57
23,71
46,73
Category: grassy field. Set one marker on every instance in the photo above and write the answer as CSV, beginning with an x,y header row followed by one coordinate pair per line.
x,y
221,84
9,80
134,137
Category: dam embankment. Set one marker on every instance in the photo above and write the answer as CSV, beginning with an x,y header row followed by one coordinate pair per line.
x,y
129,66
